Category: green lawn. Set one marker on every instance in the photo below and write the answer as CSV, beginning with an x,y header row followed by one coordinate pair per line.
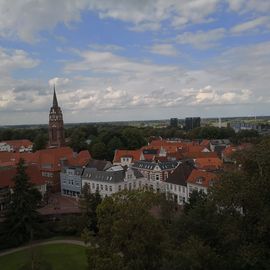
x,y
60,256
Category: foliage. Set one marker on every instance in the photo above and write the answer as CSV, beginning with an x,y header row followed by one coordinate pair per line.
x,y
124,221
40,142
22,218
88,205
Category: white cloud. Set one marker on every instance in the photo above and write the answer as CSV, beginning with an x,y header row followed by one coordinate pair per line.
x,y
11,59
261,6
58,81
25,19
202,39
208,95
164,49
250,25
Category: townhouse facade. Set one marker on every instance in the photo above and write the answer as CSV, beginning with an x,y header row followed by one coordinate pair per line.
x,y
155,173
113,180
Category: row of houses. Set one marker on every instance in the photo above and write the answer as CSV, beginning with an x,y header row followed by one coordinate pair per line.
x,y
19,146
43,168
175,178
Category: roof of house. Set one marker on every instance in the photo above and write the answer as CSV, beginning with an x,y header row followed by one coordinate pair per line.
x,y
18,143
134,154
99,165
180,175
168,165
202,178
228,151
108,176
49,159
208,163
8,174
205,143
195,155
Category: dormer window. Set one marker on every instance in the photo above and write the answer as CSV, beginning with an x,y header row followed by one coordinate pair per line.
x,y
200,180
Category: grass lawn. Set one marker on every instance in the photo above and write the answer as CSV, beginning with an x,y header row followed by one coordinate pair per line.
x,y
60,256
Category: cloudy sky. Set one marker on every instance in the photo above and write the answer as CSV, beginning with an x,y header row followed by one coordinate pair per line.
x,y
117,60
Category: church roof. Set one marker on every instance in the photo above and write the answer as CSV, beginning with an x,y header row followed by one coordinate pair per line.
x,y
55,102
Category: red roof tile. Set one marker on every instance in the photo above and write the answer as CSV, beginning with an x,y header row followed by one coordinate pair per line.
x,y
202,178
8,173
208,163
134,154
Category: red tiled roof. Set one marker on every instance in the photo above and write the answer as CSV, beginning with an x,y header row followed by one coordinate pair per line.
x,y
208,163
8,173
16,144
196,155
47,158
81,159
202,178
205,143
134,154
228,151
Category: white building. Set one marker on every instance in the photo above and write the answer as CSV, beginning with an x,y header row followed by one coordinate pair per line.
x,y
176,184
113,180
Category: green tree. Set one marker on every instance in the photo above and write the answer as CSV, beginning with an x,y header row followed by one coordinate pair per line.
x,y
113,144
40,142
129,236
99,150
88,205
22,218
133,138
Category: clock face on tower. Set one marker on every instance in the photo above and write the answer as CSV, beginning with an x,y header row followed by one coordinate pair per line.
x,y
56,125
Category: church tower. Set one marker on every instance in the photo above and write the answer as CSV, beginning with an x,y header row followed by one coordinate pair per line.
x,y
56,124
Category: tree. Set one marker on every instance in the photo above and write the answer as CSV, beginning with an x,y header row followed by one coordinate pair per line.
x,y
99,151
40,142
22,218
129,236
88,204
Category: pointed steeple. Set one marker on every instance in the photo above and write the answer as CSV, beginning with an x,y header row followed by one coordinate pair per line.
x,y
55,103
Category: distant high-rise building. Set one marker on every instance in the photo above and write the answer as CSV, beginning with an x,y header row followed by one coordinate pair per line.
x,y
174,122
192,122
56,125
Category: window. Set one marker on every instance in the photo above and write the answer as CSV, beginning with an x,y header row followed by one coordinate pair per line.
x,y
125,186
110,188
119,188
157,177
140,183
93,185
129,186
134,184
97,186
101,187
106,187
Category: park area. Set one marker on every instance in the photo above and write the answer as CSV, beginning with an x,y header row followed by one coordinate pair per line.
x,y
60,256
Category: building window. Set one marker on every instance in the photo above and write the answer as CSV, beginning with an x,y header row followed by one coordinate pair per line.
x,y
110,188
97,186
134,184
157,177
106,187
119,188
93,185
101,187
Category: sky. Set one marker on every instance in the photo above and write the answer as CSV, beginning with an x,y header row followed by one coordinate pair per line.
x,y
118,60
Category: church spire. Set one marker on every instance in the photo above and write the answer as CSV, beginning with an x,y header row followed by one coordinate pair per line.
x,y
55,103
